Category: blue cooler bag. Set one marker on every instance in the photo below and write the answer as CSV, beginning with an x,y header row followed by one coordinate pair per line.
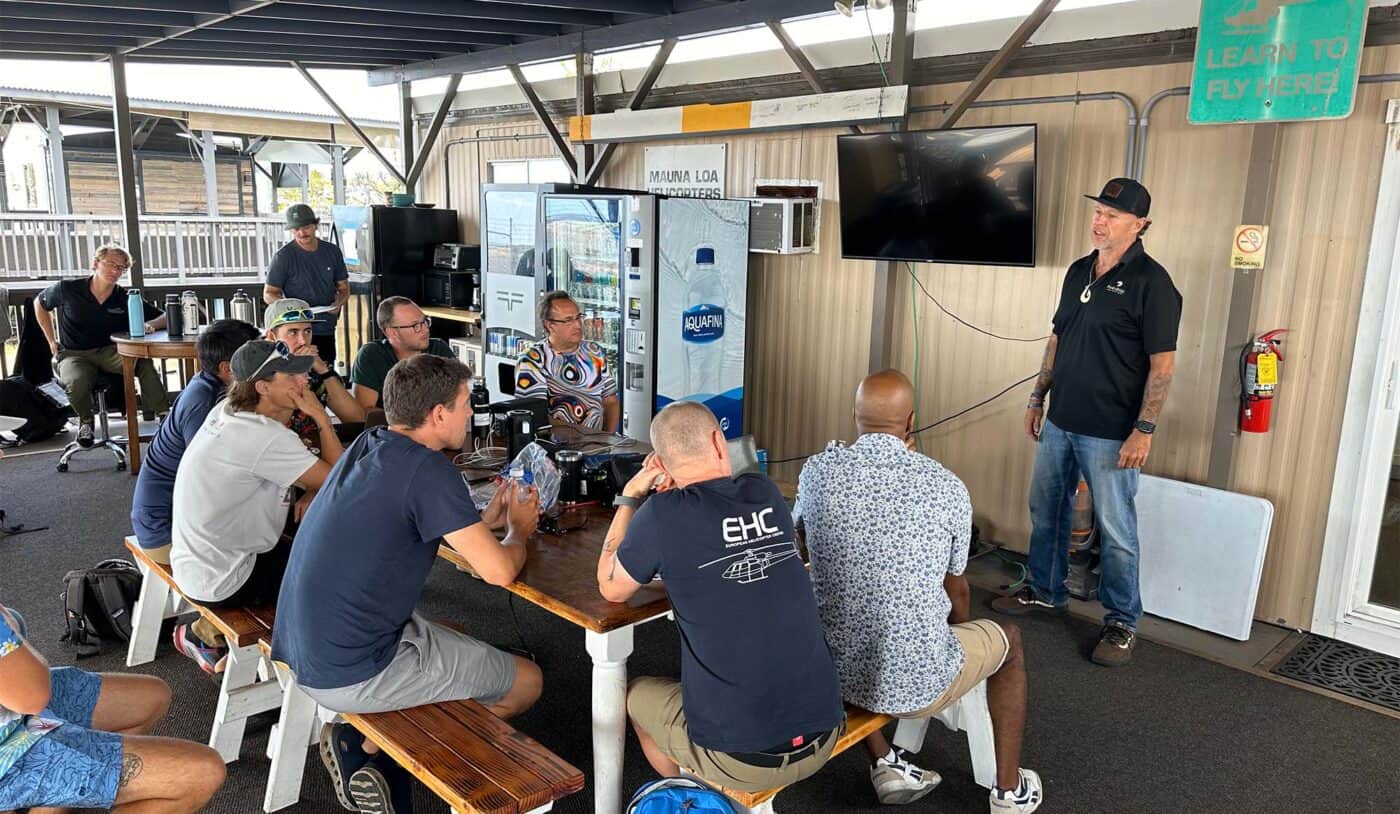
x,y
678,795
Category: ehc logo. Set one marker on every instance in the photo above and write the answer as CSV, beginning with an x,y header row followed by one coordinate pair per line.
x,y
756,526
702,323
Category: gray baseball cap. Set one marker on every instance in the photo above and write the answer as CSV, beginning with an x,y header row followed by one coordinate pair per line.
x,y
259,359
287,311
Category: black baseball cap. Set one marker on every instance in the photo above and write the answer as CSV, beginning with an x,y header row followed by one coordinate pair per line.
x,y
260,359
1125,194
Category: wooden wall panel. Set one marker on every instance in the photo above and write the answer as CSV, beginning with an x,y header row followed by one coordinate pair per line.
x,y
1329,174
810,315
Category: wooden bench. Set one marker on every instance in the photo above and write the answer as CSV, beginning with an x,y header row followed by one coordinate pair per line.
x,y
241,693
969,714
474,761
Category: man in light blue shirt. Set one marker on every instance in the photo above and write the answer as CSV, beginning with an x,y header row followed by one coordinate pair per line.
x,y
887,532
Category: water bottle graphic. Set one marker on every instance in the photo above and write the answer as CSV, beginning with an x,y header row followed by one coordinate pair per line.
x,y
702,325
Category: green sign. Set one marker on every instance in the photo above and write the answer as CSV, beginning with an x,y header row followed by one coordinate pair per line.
x,y
1276,60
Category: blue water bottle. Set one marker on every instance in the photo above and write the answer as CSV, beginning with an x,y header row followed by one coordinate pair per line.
x,y
762,456
135,313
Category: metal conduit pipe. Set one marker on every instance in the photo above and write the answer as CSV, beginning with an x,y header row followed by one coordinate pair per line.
x,y
1071,97
1141,158
476,139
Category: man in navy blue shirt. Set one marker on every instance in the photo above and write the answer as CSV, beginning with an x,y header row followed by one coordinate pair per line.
x,y
758,705
310,269
346,623
150,506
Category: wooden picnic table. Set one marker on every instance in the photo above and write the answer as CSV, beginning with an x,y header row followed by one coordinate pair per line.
x,y
560,575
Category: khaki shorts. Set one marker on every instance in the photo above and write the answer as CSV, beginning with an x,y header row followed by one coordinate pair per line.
x,y
655,705
985,649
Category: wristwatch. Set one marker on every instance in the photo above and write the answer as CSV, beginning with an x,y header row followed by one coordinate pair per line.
x,y
630,502
1144,427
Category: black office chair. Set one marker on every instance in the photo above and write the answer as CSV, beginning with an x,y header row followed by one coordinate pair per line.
x,y
102,436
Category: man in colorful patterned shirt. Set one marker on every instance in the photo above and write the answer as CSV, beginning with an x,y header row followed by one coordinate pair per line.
x,y
573,374
887,531
73,739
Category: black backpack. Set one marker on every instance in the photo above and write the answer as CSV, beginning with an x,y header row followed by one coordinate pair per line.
x,y
44,418
98,603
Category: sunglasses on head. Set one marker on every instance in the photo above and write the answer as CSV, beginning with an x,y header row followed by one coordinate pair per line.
x,y
279,351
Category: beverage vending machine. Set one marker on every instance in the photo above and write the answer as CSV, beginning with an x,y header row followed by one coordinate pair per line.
x,y
661,284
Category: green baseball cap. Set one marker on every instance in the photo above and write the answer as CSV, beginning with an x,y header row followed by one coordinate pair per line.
x,y
299,215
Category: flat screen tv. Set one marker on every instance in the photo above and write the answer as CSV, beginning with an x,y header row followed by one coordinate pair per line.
x,y
939,196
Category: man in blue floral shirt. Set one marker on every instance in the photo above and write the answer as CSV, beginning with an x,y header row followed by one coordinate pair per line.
x,y
887,531
74,739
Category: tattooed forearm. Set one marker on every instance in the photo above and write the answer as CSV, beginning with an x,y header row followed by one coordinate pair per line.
x,y
131,769
1154,396
1159,381
1047,366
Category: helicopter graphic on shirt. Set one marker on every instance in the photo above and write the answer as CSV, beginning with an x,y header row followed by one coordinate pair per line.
x,y
752,565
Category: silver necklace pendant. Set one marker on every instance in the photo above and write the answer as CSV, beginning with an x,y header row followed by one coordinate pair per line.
x,y
1084,295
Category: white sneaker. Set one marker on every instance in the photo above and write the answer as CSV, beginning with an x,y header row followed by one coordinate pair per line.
x,y
1025,799
901,782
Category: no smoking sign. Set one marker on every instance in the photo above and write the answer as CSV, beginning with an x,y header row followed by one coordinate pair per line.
x,y
1247,251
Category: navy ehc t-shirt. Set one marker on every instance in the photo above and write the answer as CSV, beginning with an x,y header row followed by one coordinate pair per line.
x,y
755,668
310,276
362,556
1103,354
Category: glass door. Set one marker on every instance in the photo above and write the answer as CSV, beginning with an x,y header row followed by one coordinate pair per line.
x,y
1385,577
584,256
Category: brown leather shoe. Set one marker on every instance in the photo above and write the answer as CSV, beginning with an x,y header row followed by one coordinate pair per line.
x,y
1115,647
1025,602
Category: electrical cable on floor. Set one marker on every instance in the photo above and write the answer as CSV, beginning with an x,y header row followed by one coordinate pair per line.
x,y
519,632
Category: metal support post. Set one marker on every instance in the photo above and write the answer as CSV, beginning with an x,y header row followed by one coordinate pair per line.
x,y
583,106
338,174
1259,188
407,140
886,277
126,168
58,165
211,175
998,63
639,96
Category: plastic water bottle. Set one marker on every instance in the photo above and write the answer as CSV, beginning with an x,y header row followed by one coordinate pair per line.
x,y
135,313
702,325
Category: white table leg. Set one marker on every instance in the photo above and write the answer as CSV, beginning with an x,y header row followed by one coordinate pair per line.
x,y
239,697
609,652
146,618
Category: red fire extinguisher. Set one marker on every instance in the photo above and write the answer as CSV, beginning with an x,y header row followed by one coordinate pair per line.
x,y
1258,378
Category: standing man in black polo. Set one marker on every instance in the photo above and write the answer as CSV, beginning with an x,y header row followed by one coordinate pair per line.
x,y
1109,363
310,269
90,310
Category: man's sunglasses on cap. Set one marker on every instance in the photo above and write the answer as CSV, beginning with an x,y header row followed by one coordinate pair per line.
x,y
279,351
297,315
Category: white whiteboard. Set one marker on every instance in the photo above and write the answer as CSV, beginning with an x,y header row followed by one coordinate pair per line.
x,y
1202,554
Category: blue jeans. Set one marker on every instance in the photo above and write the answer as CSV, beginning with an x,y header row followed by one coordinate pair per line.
x,y
1061,459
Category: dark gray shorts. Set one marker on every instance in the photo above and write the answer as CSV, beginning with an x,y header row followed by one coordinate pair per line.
x,y
433,664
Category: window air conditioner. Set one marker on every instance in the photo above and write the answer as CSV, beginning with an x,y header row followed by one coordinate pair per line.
x,y
782,225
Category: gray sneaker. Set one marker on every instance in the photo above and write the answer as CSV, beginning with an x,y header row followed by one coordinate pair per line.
x,y
901,782
85,434
1115,647
1025,602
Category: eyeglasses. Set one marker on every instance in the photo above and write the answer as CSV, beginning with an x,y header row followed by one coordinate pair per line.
x,y
420,325
299,315
116,266
279,351
569,321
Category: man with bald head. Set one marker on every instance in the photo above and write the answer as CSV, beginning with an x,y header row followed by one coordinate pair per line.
x,y
758,705
887,532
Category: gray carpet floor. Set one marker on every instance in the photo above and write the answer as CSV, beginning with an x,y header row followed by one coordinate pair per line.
x,y
1171,733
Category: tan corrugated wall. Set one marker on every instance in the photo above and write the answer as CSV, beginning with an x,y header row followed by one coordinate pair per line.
x,y
810,315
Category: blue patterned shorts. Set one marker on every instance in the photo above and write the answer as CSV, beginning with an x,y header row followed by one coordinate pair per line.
x,y
72,766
